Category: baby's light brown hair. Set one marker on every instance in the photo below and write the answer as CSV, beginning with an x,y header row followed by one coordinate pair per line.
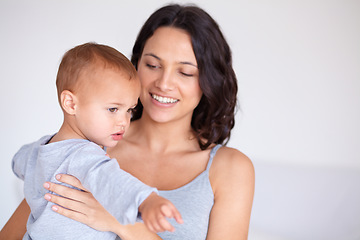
x,y
85,57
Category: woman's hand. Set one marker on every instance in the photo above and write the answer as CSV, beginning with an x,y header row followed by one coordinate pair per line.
x,y
81,206
78,205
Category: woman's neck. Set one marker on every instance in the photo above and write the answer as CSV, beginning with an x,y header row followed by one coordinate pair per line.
x,y
163,137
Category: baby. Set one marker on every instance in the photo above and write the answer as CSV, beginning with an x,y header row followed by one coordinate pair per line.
x,y
98,89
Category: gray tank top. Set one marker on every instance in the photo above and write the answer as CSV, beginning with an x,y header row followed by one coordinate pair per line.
x,y
194,201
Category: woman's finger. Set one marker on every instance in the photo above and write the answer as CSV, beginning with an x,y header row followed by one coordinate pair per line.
x,y
89,212
71,180
67,192
66,203
70,214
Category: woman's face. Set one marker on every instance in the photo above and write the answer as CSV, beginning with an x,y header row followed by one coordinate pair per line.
x,y
169,76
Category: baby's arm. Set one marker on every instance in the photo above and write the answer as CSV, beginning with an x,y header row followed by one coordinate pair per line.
x,y
154,211
118,191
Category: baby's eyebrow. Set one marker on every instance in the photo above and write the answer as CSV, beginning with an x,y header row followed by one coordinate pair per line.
x,y
123,105
118,104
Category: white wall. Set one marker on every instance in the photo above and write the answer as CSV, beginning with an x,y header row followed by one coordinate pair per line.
x,y
298,65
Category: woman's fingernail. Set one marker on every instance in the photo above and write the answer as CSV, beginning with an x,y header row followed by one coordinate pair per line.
x,y
47,197
58,177
46,185
55,208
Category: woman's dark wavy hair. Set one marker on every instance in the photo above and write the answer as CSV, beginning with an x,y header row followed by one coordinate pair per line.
x,y
213,118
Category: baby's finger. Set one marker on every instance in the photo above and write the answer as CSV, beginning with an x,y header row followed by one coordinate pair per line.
x,y
165,225
167,211
151,227
171,211
178,216
71,180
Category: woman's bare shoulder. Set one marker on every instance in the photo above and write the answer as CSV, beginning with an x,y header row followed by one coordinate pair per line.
x,y
230,157
232,179
231,166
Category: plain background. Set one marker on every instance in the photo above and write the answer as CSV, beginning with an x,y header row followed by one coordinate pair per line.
x,y
297,63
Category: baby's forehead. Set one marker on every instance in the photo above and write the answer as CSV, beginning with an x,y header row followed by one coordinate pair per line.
x,y
99,64
98,70
108,87
102,74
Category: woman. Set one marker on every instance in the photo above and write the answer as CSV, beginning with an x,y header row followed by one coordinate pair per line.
x,y
175,143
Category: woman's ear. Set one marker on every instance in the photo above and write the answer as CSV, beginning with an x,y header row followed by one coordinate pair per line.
x,y
68,102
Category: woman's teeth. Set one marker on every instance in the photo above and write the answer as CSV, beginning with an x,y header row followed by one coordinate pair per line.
x,y
164,99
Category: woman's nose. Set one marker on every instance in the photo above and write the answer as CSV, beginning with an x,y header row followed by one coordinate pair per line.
x,y
165,82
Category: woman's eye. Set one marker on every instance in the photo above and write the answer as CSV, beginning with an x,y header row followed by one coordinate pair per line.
x,y
151,66
187,74
131,110
113,110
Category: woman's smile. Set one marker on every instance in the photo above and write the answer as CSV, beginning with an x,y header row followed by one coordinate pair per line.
x,y
164,100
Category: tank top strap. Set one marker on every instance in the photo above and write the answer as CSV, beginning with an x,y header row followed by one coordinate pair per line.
x,y
212,154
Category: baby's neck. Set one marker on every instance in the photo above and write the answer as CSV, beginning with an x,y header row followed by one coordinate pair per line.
x,y
66,132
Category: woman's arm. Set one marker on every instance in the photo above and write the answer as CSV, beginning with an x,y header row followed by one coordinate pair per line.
x,y
81,206
15,228
232,178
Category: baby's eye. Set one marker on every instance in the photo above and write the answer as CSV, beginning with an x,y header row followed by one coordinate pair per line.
x,y
112,110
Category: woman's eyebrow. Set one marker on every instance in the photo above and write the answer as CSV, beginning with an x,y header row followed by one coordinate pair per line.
x,y
152,55
182,62
189,63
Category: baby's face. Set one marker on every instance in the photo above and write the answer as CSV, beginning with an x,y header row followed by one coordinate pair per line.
x,y
106,99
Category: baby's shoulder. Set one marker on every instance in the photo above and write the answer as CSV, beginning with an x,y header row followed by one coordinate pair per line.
x,y
88,148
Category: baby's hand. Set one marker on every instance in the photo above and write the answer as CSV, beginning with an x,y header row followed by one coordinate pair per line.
x,y
154,211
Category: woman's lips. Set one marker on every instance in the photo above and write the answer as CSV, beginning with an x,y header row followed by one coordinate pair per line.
x,y
164,100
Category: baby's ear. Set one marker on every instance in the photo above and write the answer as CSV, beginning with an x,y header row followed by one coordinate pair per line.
x,y
68,102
